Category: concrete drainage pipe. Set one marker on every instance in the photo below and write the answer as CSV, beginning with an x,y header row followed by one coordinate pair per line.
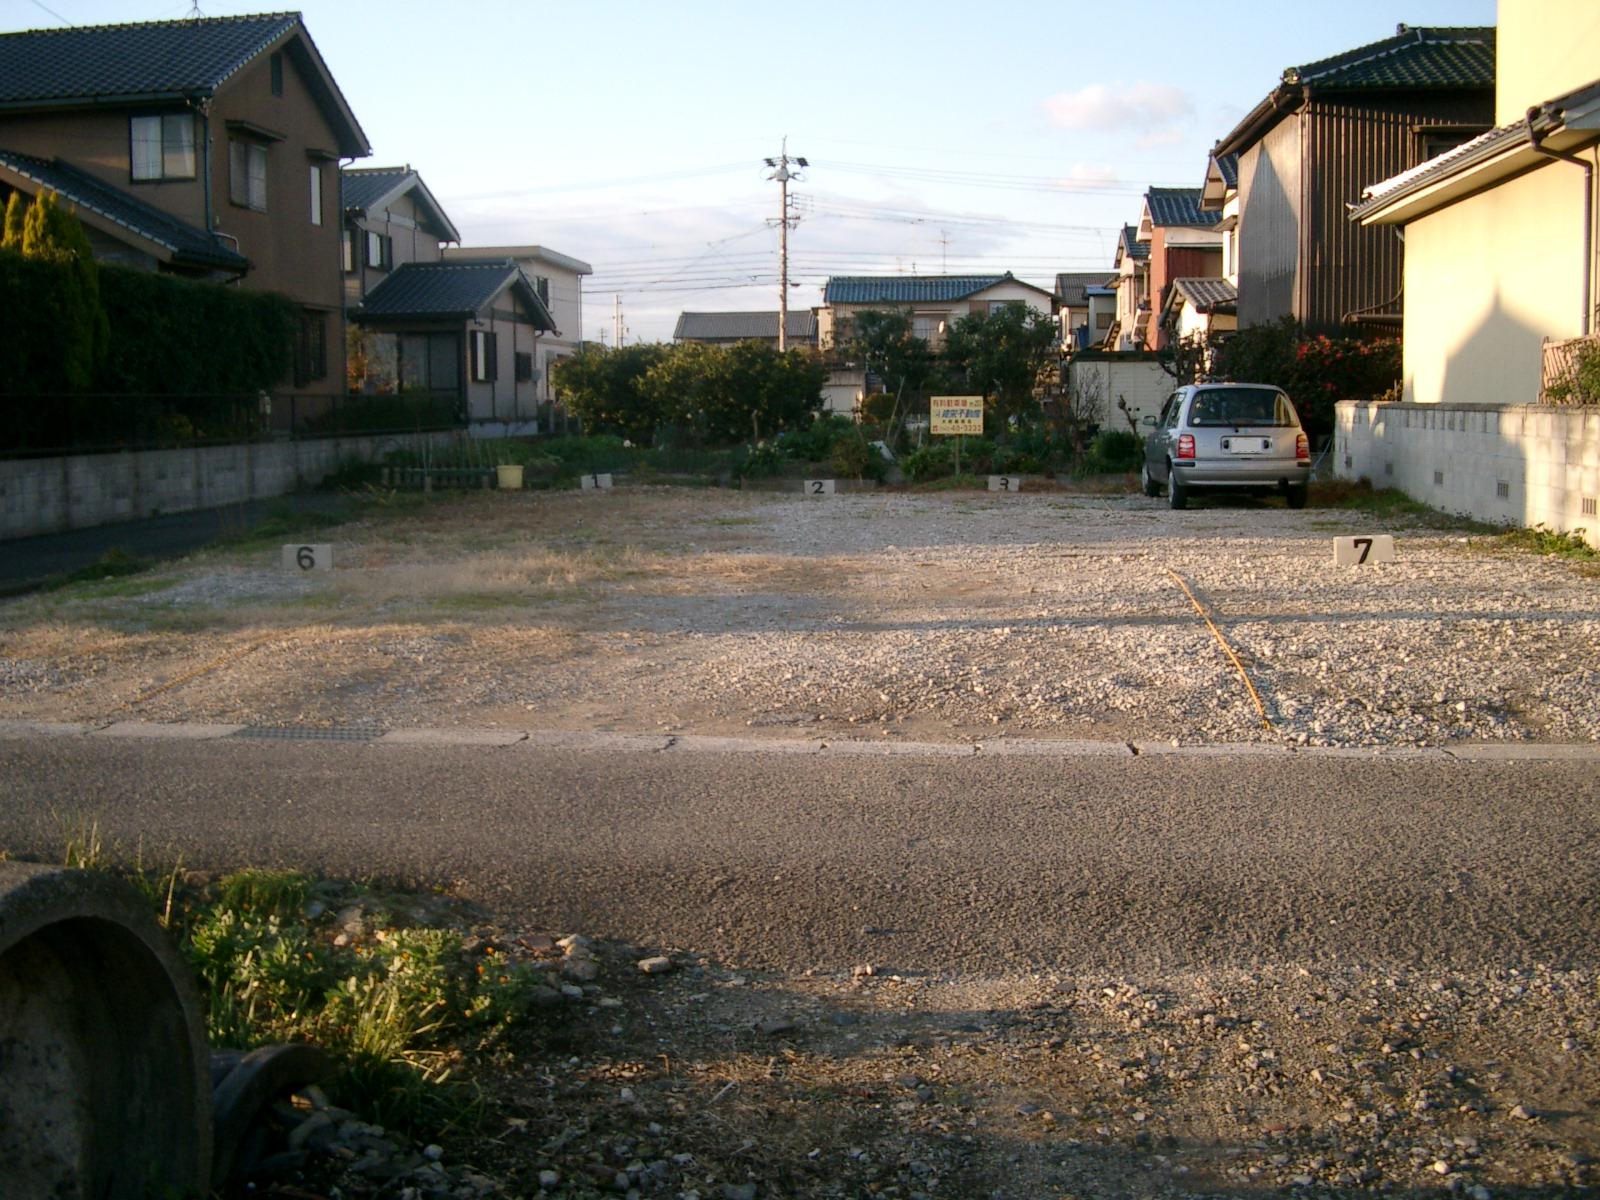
x,y
106,1082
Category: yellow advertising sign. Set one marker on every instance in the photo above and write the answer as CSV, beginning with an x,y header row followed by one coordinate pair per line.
x,y
956,415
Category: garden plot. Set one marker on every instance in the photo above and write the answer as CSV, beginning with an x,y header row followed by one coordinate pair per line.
x,y
891,615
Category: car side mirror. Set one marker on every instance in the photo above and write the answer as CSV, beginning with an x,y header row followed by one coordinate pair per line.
x,y
1150,421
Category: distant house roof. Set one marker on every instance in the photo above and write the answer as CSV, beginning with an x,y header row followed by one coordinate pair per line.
x,y
1178,206
1438,58
738,326
119,213
1222,177
912,289
1073,287
161,61
1208,295
371,188
444,291
1128,243
522,254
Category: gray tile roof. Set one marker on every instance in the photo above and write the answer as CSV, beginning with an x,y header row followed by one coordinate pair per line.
x,y
442,291
1208,295
161,61
1072,288
157,59
367,188
1131,245
1421,57
905,289
1228,168
1178,206
738,326
187,244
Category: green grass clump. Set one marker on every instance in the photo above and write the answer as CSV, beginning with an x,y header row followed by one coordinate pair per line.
x,y
1393,504
1541,539
282,957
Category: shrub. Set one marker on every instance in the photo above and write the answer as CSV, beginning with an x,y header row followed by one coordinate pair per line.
x,y
1114,450
928,461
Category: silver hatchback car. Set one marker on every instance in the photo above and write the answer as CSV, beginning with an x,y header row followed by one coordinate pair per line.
x,y
1227,437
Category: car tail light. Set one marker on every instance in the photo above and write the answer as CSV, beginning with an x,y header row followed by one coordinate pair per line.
x,y
1302,448
1186,445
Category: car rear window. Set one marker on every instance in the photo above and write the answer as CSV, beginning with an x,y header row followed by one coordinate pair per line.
x,y
1241,406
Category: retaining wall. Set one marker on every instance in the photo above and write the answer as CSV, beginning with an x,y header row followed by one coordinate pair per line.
x,y
1516,464
49,495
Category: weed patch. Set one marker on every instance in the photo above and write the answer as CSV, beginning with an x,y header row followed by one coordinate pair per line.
x,y
1541,539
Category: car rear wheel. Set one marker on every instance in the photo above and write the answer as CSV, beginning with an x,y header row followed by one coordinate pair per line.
x,y
1152,487
1296,495
1177,493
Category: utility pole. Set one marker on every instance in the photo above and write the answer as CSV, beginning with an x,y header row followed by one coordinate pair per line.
x,y
616,319
782,173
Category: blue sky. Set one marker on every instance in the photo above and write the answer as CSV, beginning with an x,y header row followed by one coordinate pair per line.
x,y
942,136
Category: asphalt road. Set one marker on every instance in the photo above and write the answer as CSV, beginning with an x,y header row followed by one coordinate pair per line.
x,y
911,863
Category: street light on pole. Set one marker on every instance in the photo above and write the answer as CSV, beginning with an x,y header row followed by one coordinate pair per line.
x,y
781,172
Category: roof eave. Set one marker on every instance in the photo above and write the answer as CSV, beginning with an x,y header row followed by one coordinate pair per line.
x,y
352,138
1279,102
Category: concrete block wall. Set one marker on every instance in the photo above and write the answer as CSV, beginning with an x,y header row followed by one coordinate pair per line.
x,y
1515,464
49,495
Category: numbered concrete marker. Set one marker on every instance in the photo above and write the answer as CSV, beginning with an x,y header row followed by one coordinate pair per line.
x,y
1005,483
308,557
596,483
819,487
1360,551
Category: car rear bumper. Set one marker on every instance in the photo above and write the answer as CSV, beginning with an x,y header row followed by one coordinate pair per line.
x,y
1275,473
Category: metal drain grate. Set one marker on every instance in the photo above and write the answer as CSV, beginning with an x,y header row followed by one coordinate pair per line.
x,y
309,733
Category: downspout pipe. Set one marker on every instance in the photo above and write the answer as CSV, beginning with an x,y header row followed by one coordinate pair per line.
x,y
1534,136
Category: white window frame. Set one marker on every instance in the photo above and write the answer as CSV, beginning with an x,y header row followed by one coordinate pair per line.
x,y
247,174
161,147
316,193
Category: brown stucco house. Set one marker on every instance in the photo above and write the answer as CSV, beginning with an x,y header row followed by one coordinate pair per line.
x,y
205,147
1307,151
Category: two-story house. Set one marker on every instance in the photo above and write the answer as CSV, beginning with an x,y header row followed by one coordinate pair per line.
x,y
1085,303
1184,245
205,147
934,302
1130,277
1328,130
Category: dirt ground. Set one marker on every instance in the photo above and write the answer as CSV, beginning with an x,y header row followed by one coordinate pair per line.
x,y
953,615
948,616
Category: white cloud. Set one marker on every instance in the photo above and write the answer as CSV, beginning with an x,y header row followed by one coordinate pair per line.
x,y
1090,174
1155,111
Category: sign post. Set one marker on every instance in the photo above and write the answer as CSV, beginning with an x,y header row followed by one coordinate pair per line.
x,y
955,416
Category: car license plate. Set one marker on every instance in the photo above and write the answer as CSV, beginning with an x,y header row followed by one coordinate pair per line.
x,y
1247,445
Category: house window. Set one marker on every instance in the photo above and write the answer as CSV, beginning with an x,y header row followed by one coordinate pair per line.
x,y
1000,306
1102,320
311,348
277,74
541,285
162,147
524,367
483,356
347,252
316,193
927,326
247,174
380,250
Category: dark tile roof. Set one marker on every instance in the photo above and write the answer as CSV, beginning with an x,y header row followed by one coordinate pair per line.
x,y
737,326
1131,245
161,58
448,291
1423,57
1072,288
1208,295
367,188
905,289
1228,168
1178,206
187,244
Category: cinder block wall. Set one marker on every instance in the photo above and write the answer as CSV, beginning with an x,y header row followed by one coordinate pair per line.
x,y
1517,464
48,495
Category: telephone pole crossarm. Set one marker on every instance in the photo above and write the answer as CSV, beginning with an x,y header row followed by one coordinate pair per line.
x,y
781,171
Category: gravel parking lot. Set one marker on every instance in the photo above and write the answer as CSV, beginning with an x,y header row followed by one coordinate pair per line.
x,y
890,615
